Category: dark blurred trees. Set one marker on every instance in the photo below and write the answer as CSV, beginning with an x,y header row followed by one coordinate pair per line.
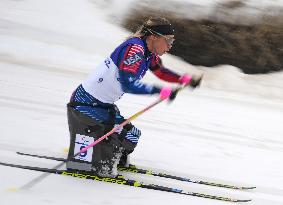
x,y
256,48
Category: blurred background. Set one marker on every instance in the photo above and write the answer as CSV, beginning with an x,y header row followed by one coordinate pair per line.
x,y
247,34
229,130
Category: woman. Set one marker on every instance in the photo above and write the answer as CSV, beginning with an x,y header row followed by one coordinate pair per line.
x,y
92,112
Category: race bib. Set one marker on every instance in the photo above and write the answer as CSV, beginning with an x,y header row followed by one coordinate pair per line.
x,y
82,142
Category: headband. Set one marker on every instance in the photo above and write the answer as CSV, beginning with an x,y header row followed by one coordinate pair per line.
x,y
161,29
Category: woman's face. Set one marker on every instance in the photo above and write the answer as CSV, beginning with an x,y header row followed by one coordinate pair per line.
x,y
161,44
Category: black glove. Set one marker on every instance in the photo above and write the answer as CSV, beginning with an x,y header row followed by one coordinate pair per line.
x,y
195,82
173,94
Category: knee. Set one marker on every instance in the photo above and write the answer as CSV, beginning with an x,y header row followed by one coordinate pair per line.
x,y
133,136
132,133
135,131
129,137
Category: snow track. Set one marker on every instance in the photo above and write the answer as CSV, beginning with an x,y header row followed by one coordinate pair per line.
x,y
47,49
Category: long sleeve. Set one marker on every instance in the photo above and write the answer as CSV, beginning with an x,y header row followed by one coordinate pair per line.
x,y
163,73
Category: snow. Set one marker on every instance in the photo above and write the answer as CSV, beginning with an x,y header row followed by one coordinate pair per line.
x,y
230,130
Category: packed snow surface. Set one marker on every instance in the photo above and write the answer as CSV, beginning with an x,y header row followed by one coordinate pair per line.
x,y
229,130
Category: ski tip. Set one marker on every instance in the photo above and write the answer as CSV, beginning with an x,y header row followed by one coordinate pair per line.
x,y
12,189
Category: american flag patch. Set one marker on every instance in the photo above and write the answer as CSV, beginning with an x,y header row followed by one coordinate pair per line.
x,y
133,58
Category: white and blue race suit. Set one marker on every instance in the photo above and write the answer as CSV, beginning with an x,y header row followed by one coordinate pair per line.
x,y
118,74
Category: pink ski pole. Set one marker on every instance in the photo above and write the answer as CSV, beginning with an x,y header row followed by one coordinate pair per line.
x,y
118,127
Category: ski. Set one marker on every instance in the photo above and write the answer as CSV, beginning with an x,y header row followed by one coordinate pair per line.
x,y
120,180
134,169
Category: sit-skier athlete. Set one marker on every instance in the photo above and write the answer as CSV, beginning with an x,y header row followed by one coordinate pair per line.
x,y
92,112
